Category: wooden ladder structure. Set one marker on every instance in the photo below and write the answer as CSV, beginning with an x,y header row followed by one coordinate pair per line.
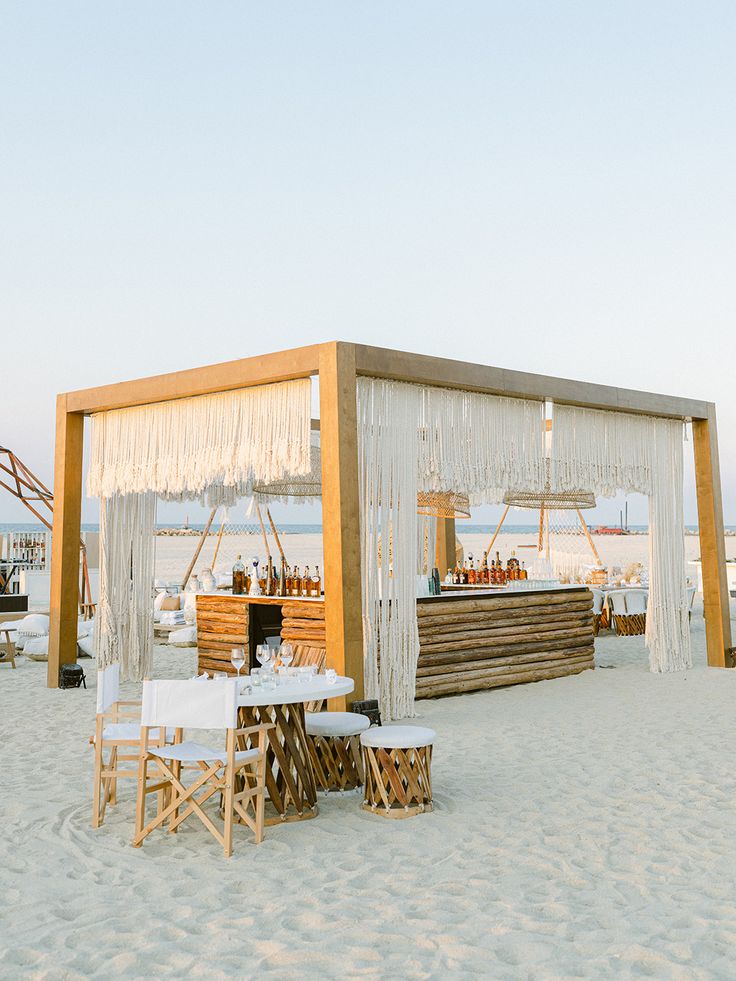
x,y
25,486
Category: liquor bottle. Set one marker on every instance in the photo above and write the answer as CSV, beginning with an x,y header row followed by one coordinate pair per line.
x,y
289,582
239,586
485,572
464,575
522,572
269,577
296,582
306,582
456,576
471,572
282,579
501,573
316,583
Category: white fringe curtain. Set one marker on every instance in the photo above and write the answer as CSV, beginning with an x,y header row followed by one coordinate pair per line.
x,y
124,620
409,438
212,447
387,455
609,451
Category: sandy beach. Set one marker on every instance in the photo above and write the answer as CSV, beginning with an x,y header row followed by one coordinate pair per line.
x,y
582,829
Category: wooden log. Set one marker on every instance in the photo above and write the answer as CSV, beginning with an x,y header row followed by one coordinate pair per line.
x,y
500,681
459,630
509,601
473,641
460,669
309,611
473,654
504,669
498,616
302,622
223,618
205,637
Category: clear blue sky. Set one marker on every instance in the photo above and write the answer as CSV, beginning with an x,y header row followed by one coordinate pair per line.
x,y
544,186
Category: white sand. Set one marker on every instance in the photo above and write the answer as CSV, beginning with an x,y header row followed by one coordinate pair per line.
x,y
583,829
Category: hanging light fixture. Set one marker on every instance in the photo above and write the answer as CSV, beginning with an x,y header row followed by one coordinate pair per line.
x,y
549,500
443,504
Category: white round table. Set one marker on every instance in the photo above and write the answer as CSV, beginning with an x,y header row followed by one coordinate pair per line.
x,y
290,782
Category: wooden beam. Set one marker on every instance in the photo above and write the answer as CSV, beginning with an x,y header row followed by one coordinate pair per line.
x,y
341,512
420,368
264,369
446,546
712,542
65,540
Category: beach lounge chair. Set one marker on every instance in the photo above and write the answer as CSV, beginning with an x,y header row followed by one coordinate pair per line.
x,y
200,705
114,731
598,598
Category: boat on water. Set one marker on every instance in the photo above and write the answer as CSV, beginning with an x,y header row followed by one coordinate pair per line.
x,y
609,530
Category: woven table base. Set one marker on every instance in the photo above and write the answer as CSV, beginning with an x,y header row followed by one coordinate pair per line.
x,y
631,625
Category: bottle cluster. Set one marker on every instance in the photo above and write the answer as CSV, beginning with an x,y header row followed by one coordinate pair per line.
x,y
283,582
495,574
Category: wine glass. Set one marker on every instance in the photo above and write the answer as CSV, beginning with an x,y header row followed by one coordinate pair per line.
x,y
286,654
237,658
265,656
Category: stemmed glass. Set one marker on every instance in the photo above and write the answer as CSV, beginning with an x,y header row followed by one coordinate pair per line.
x,y
237,658
264,655
286,655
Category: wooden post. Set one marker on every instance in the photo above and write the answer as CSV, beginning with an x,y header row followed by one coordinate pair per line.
x,y
499,526
712,542
446,544
584,526
341,513
202,540
65,540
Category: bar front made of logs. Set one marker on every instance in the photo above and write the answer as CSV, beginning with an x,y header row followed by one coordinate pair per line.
x,y
225,621
478,640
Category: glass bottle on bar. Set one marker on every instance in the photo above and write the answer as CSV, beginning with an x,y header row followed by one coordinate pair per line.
x,y
239,586
282,579
296,582
522,572
306,582
316,583
269,577
471,571
289,582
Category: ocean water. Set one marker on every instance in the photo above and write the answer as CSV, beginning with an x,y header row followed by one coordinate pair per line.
x,y
316,529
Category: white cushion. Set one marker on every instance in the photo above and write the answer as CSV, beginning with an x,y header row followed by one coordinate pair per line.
x,y
34,625
108,686
87,646
191,752
336,723
186,637
398,737
9,625
36,648
128,730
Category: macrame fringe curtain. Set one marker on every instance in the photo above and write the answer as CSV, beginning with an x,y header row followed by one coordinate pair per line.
x,y
486,446
212,447
611,451
124,620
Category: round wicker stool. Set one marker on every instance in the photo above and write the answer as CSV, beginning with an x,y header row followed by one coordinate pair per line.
x,y
397,761
334,748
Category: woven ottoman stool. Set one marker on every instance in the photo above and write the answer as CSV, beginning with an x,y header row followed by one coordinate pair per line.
x,y
334,748
397,761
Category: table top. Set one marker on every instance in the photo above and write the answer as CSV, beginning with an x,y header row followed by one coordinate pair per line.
x,y
290,691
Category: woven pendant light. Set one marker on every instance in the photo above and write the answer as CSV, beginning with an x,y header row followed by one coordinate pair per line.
x,y
550,500
302,487
443,504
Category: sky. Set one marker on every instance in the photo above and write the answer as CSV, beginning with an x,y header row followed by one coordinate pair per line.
x,y
540,186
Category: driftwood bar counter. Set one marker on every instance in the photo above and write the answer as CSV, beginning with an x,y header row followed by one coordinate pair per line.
x,y
471,640
225,621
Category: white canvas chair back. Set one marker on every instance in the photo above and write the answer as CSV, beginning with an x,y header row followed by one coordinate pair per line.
x,y
636,601
597,601
617,602
191,704
108,687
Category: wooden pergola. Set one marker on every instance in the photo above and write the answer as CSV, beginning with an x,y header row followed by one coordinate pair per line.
x,y
338,364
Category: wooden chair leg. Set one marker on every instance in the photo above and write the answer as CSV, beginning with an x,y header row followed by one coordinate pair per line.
x,y
113,785
140,801
97,790
259,799
229,792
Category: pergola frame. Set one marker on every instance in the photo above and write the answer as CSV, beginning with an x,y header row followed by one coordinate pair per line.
x,y
338,365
